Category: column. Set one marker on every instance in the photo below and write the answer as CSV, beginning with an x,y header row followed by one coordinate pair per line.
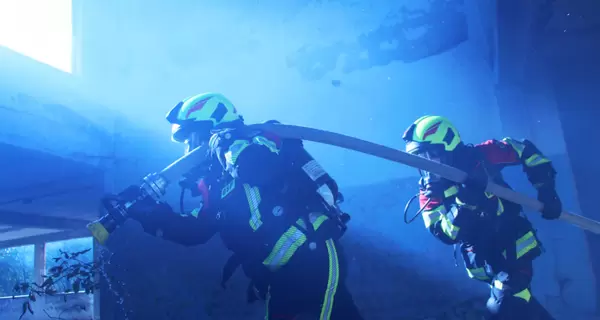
x,y
39,270
97,278
39,262
512,48
576,87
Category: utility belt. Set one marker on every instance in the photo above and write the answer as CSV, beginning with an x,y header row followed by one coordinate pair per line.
x,y
312,230
517,243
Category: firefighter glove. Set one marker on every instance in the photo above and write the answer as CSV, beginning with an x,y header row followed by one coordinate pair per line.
x,y
552,204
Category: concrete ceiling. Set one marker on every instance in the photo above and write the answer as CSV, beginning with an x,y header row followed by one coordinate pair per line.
x,y
43,196
34,181
574,16
16,233
572,32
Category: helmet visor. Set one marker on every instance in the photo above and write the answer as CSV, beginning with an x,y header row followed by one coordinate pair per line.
x,y
177,133
193,133
195,140
435,155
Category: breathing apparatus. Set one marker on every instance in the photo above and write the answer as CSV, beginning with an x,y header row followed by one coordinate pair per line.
x,y
305,170
430,184
430,189
152,188
434,138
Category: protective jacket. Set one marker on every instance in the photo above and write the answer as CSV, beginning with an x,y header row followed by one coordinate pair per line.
x,y
492,233
290,200
273,200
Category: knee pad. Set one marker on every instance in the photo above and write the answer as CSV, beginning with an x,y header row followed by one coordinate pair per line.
x,y
508,302
508,308
493,306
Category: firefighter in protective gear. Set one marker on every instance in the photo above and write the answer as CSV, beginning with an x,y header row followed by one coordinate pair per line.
x,y
273,206
498,244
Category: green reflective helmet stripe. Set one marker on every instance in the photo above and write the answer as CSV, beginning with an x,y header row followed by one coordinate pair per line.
x,y
434,130
209,106
199,114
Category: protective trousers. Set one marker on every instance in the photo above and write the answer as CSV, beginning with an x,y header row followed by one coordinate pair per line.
x,y
312,284
511,298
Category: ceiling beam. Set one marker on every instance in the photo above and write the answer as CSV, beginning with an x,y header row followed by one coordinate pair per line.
x,y
49,237
10,229
36,220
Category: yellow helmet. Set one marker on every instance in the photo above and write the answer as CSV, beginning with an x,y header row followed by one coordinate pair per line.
x,y
430,132
193,118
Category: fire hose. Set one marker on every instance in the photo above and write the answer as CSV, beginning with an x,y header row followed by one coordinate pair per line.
x,y
154,185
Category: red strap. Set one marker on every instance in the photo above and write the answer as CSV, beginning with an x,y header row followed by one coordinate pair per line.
x,y
203,189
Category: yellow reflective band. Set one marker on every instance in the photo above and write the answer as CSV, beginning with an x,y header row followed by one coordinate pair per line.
x,y
498,284
536,160
234,151
524,294
253,196
525,244
433,216
332,281
317,220
449,229
500,210
516,145
236,148
267,301
464,205
195,212
260,140
477,273
285,248
290,241
450,191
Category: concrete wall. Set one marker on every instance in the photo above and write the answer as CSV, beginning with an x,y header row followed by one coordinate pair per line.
x,y
269,63
46,141
43,109
69,131
527,94
70,306
575,79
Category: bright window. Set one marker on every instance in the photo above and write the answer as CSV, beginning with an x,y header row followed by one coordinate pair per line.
x,y
39,29
16,266
55,250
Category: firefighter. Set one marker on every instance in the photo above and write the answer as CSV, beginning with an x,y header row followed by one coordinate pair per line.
x,y
497,242
272,204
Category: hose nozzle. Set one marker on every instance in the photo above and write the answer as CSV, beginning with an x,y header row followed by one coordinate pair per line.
x,y
100,229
